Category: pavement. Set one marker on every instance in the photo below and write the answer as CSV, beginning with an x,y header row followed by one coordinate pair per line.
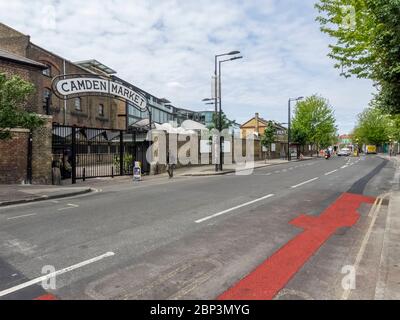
x,y
212,237
17,194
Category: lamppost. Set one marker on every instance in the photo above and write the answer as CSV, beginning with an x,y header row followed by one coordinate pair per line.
x,y
221,154
216,90
289,124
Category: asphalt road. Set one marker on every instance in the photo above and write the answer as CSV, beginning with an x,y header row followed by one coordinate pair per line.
x,y
186,238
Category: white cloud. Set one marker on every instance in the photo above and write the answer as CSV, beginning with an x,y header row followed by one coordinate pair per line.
x,y
167,48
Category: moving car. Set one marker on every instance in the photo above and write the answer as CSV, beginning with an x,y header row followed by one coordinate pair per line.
x,y
345,152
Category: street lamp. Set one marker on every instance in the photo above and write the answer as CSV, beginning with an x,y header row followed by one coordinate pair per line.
x,y
220,109
289,124
232,53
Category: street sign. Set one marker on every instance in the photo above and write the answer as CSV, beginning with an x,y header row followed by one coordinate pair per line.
x,y
137,171
71,86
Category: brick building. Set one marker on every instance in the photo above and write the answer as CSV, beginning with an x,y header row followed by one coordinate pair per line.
x,y
89,111
256,126
16,164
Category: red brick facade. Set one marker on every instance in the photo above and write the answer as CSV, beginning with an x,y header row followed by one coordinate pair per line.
x,y
88,115
14,157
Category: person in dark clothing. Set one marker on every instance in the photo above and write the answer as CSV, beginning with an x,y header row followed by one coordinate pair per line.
x,y
170,165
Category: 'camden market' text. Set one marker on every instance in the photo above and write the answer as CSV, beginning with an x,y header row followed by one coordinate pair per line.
x,y
76,86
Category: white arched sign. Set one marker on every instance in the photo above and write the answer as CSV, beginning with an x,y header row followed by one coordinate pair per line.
x,y
88,85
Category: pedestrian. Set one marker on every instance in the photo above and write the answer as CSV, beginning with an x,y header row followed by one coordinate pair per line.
x,y
170,165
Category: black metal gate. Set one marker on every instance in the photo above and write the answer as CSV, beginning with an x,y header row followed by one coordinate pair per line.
x,y
83,153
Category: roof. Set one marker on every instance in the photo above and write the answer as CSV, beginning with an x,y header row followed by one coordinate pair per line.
x,y
265,122
96,65
259,119
5,55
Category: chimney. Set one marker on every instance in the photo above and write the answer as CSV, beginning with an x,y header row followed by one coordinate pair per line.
x,y
257,129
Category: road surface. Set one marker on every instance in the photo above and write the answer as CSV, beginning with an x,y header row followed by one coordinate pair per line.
x,y
193,238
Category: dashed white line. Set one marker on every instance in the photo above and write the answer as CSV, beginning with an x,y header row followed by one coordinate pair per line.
x,y
343,167
54,274
70,206
234,208
303,183
23,216
329,173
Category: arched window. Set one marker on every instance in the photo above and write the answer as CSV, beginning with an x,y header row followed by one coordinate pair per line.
x,y
77,103
47,100
47,72
101,110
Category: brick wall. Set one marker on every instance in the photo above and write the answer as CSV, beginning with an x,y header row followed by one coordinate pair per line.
x,y
13,157
42,153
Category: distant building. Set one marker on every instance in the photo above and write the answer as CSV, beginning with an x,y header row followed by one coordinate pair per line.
x,y
256,127
345,140
207,117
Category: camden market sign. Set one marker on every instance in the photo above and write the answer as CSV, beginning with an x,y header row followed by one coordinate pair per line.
x,y
72,86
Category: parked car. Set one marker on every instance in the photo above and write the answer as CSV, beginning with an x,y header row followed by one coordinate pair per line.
x,y
345,152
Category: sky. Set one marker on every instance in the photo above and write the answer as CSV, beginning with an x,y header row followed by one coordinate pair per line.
x,y
167,48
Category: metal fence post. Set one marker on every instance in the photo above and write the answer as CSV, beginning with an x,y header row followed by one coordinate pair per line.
x,y
121,153
73,155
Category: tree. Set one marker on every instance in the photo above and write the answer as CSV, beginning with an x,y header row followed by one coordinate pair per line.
x,y
226,123
367,43
395,128
314,122
14,94
269,137
373,127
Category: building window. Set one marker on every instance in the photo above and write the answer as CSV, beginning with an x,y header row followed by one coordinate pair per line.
x,y
101,110
47,72
78,106
47,100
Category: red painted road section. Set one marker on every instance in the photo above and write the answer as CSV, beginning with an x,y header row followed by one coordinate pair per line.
x,y
47,297
274,273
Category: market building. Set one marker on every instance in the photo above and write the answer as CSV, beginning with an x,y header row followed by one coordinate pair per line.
x,y
93,135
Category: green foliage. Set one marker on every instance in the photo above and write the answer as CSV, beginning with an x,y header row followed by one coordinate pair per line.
x,y
299,136
371,47
127,162
394,131
269,136
373,127
314,122
226,123
14,94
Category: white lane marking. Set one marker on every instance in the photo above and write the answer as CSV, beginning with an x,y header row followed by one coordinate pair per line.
x,y
70,206
343,167
303,183
23,216
329,173
234,208
54,274
347,293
